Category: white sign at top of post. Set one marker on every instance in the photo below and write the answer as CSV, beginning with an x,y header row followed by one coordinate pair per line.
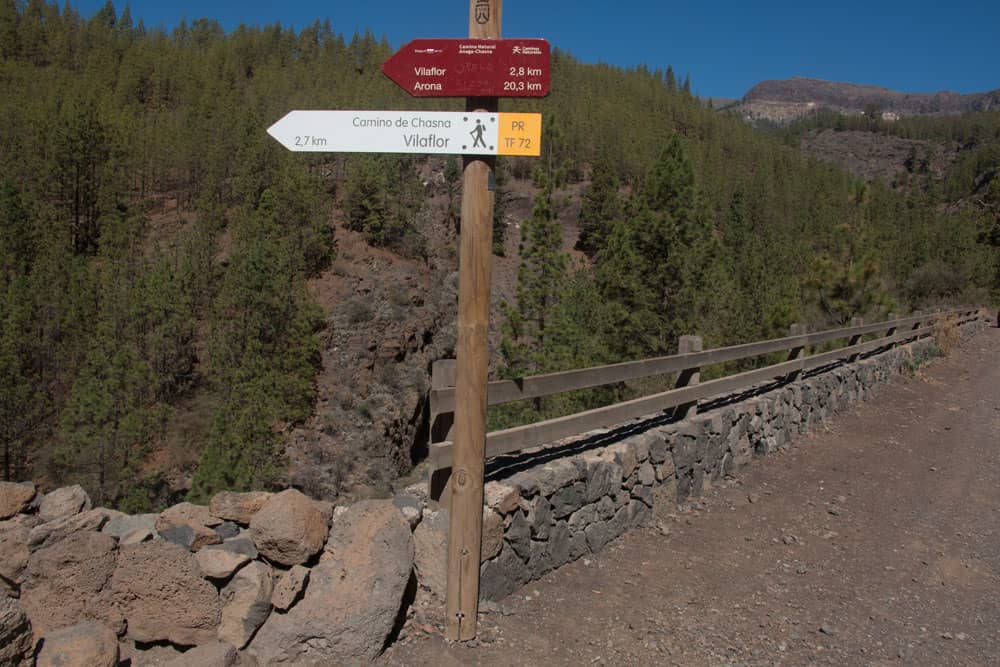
x,y
444,132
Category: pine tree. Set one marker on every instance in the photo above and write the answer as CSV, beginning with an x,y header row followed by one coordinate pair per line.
x,y
500,197
653,262
623,278
541,277
166,314
381,202
554,168
264,353
124,23
452,182
22,399
81,151
601,207
17,245
299,197
241,450
109,418
9,19
106,16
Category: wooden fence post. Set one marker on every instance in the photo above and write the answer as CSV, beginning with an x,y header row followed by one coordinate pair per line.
x,y
688,376
798,352
919,323
856,321
891,331
441,426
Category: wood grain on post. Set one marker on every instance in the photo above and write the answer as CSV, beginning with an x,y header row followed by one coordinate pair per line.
x,y
891,331
689,376
441,425
472,352
798,352
856,321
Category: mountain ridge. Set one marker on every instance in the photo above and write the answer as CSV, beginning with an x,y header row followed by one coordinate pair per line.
x,y
784,100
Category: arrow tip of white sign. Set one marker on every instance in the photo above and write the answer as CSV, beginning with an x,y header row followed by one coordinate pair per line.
x,y
275,130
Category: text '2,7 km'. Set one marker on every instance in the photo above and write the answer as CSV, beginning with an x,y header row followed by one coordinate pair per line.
x,y
442,132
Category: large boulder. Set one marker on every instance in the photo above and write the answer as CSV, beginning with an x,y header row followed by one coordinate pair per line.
x,y
289,588
159,589
15,498
289,529
219,563
123,524
64,502
136,536
431,551
189,525
49,533
238,545
501,498
186,514
492,535
86,644
13,553
247,600
354,593
15,634
409,507
216,654
67,582
430,540
238,507
149,655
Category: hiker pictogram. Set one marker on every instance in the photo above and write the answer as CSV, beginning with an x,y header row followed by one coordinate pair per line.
x,y
477,134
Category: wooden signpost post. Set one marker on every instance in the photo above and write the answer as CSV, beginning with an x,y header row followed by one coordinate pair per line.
x,y
482,68
465,534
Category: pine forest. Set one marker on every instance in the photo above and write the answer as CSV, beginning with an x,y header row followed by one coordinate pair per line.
x,y
162,259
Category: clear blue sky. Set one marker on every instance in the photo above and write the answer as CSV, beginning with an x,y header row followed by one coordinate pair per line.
x,y
725,46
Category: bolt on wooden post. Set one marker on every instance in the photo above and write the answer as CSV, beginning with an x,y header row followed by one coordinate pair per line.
x,y
468,457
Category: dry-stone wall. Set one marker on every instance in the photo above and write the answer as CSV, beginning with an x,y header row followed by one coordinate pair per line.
x,y
271,579
560,510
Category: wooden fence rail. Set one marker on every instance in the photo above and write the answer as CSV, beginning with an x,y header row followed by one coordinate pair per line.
x,y
686,395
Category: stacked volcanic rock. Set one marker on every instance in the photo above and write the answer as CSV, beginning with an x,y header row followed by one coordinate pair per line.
x,y
258,576
548,515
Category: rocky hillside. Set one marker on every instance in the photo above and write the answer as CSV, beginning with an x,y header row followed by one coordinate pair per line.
x,y
871,156
785,100
389,318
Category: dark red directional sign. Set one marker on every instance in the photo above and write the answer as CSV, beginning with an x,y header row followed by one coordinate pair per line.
x,y
472,68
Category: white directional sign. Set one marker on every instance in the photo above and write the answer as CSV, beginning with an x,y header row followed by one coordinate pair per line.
x,y
445,132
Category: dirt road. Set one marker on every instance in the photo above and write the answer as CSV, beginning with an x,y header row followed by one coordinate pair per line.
x,y
874,541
